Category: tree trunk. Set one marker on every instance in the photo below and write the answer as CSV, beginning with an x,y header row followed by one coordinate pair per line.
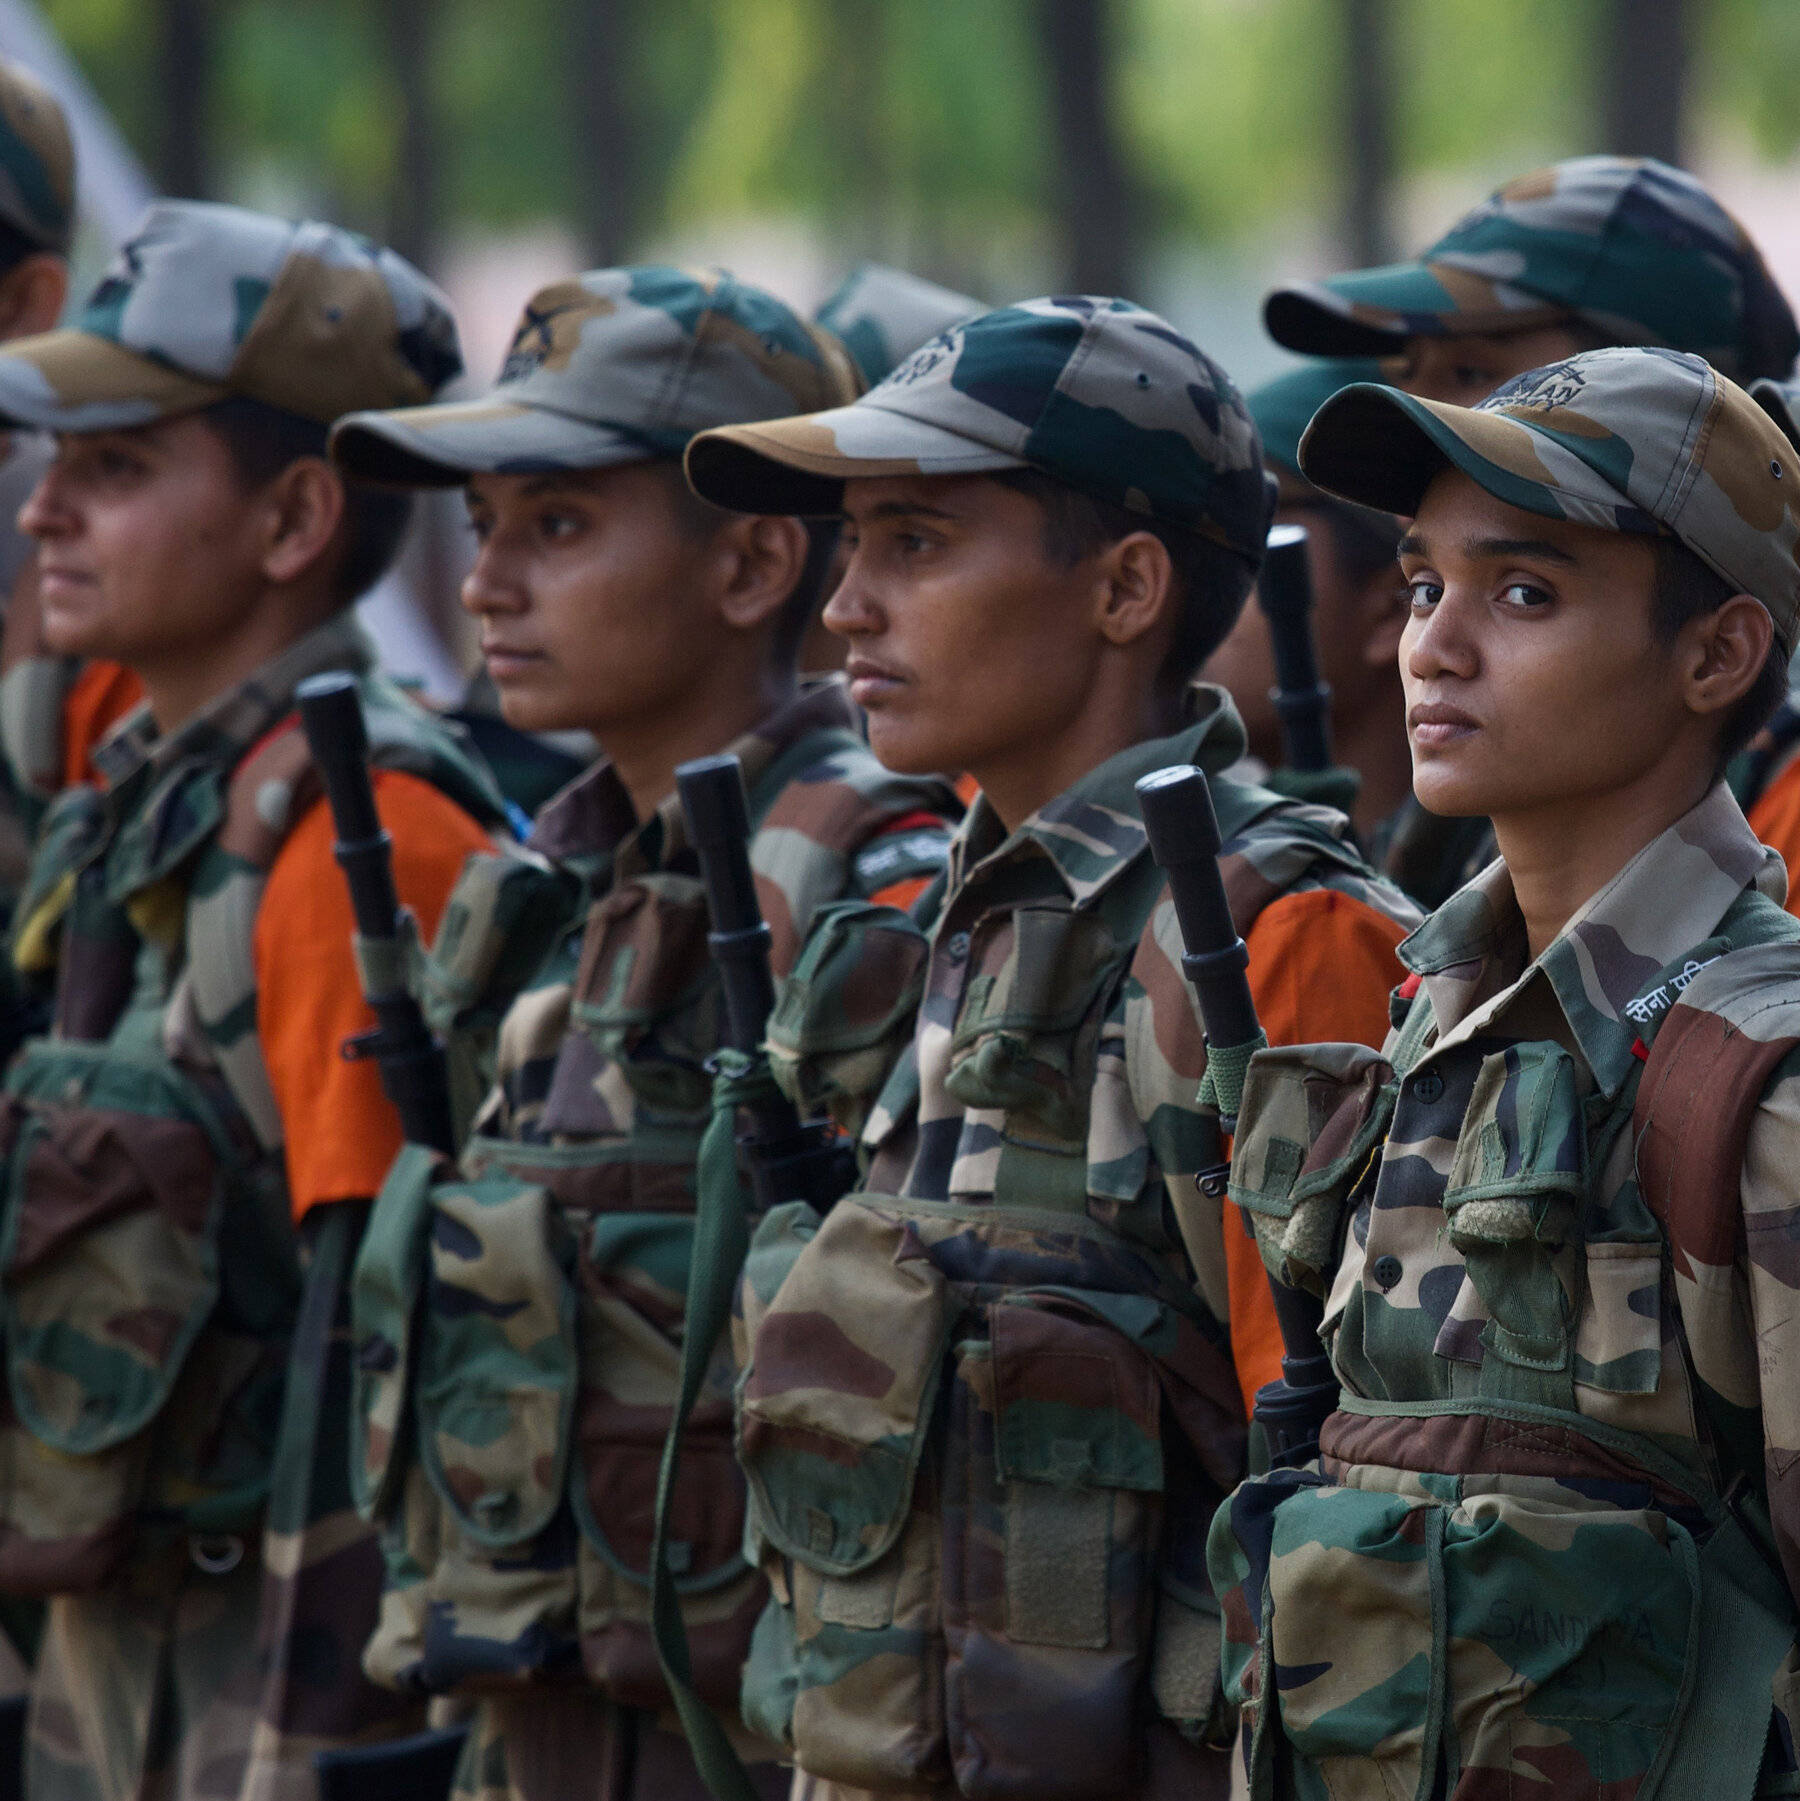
x,y
1367,150
186,44
1094,195
1645,56
606,135
413,201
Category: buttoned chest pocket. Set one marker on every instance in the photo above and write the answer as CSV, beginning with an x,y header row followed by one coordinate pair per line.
x,y
1024,1042
1564,1293
646,992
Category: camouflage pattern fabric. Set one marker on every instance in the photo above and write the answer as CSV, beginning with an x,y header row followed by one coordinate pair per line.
x,y
1429,855
988,1400
150,1283
883,315
37,162
614,366
1105,397
1512,1567
1781,401
513,1415
1636,250
1284,407
1626,440
206,300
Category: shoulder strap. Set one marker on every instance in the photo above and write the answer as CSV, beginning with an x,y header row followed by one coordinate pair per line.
x,y
1708,1065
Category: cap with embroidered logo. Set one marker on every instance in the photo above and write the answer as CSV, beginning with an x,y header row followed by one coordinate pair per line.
x,y
1638,251
615,366
1098,394
1628,439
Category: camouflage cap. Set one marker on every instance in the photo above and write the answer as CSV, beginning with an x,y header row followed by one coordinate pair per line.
x,y
207,301
1283,407
1098,394
37,161
1629,440
614,366
884,314
1781,401
1637,250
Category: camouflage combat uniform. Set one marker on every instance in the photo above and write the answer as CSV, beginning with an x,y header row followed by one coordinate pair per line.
x,y
179,1498
520,1317
1552,1542
989,1398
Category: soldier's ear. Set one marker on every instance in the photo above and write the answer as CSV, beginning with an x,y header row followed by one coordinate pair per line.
x,y
1137,591
304,508
1723,652
760,559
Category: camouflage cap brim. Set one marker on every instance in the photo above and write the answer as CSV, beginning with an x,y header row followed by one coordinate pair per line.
x,y
74,381
800,465
1382,449
442,446
1372,312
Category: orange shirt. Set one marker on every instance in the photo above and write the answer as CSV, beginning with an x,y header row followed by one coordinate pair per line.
x,y
341,1129
1321,966
1775,819
100,696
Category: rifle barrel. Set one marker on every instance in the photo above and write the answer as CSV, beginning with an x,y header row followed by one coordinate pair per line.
x,y
1303,701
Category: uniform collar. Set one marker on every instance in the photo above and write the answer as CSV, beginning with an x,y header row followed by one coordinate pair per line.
x,y
1618,964
593,815
1093,830
227,726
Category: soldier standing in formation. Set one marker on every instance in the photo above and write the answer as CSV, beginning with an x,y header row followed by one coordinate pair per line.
x,y
988,1401
1541,1544
190,1162
515,1483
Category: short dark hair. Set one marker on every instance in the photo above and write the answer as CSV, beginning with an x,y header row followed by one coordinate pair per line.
x,y
263,440
1685,588
699,519
1211,582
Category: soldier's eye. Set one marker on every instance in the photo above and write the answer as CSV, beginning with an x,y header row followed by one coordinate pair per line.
x,y
1423,593
1525,594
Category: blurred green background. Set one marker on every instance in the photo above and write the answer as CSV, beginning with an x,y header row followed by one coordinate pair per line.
x,y
1003,146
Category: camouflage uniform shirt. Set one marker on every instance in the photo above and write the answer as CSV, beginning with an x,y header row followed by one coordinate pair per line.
x,y
1542,1382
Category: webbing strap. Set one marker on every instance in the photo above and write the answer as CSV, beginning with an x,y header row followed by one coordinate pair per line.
x,y
721,1239
1716,1746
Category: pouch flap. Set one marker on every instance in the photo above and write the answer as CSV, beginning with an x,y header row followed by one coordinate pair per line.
x,y
497,1359
1035,973
1076,1404
846,1011
384,1294
1309,1119
1520,1165
506,911
836,1401
109,1257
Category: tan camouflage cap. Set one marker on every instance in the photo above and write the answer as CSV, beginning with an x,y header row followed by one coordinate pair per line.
x,y
1099,394
207,301
37,161
614,366
1629,440
1638,250
884,314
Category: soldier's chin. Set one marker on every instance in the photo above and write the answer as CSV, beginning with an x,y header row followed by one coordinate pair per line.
x,y
905,750
1449,793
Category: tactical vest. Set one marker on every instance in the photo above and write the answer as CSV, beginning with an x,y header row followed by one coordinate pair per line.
x,y
982,1437
148,1269
519,1326
1492,1586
